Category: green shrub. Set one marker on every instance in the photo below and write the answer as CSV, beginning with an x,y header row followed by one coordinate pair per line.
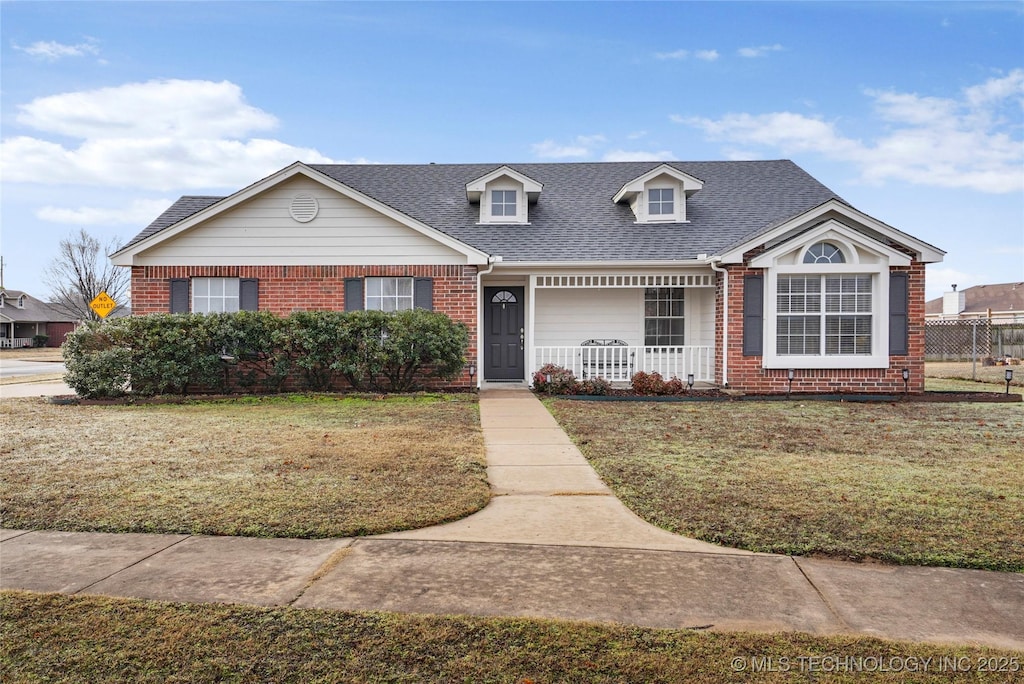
x,y
40,340
395,351
258,351
97,364
313,342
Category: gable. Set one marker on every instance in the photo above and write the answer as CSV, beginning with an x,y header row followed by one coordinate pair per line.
x,y
295,220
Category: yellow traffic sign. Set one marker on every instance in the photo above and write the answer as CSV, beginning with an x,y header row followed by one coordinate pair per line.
x,y
102,305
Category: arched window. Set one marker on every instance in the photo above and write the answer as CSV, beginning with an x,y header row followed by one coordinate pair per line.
x,y
824,253
503,297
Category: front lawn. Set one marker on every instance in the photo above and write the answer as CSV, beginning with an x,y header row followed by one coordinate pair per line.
x,y
914,483
286,466
46,637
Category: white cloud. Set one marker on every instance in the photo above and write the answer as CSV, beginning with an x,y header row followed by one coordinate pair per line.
x,y
759,51
51,50
940,279
968,142
636,135
679,55
580,147
625,155
158,135
139,212
675,54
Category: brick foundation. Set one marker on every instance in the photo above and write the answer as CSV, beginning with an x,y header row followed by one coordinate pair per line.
x,y
285,289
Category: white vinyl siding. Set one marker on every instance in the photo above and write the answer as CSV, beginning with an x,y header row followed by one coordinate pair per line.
x,y
262,232
568,317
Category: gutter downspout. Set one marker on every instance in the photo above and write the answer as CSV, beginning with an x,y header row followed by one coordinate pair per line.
x,y
491,261
725,316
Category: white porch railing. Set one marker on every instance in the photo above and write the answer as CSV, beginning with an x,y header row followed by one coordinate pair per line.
x,y
15,342
619,363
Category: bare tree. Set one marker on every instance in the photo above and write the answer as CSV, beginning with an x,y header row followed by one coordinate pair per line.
x,y
81,271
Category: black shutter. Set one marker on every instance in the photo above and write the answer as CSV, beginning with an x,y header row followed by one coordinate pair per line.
x,y
179,295
249,294
354,294
899,313
423,294
753,315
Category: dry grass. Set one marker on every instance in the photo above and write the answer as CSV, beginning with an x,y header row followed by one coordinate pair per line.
x,y
920,484
32,354
285,466
962,377
94,639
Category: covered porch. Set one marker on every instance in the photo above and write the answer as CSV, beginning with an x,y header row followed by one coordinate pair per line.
x,y
608,325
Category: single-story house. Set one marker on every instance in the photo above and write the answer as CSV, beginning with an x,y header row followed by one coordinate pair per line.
x,y
740,273
23,317
999,303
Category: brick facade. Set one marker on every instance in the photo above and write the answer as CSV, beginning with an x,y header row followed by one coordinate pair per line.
x,y
284,289
746,373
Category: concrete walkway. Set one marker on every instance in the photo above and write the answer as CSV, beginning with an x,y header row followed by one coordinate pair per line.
x,y
552,543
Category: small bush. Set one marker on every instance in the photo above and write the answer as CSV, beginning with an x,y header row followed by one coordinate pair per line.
x,y
97,364
40,340
552,379
597,387
654,384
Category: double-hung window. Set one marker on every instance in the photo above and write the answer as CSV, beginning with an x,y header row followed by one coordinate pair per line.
x,y
664,322
215,295
827,315
389,294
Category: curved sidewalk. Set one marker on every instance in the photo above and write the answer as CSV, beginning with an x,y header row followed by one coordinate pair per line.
x,y
552,543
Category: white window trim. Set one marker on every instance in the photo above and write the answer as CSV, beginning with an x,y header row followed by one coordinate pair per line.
x,y
238,296
879,357
504,183
367,295
642,206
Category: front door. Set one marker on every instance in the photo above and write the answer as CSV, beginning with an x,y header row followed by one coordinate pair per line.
x,y
504,333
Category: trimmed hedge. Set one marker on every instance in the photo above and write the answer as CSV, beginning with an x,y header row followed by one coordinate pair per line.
x,y
259,352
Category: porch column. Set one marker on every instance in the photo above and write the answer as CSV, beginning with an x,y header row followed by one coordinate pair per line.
x,y
531,350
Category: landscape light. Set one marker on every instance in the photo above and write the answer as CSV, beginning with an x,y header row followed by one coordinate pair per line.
x,y
1009,377
472,371
790,374
689,381
906,380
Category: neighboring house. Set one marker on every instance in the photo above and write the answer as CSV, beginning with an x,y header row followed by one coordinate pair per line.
x,y
736,272
22,317
1002,303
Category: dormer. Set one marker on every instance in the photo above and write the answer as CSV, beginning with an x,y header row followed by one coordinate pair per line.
x,y
659,196
18,300
504,196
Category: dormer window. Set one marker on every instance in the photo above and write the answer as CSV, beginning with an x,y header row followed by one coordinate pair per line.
x,y
660,195
504,203
504,195
661,202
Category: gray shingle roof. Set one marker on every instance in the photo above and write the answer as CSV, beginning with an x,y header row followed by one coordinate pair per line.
x,y
575,218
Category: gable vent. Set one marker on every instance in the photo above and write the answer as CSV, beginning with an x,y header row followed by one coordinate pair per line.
x,y
304,208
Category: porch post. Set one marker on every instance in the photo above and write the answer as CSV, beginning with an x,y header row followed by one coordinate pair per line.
x,y
531,354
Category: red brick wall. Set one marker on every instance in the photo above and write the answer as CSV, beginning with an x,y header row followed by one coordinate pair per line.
x,y
746,373
284,289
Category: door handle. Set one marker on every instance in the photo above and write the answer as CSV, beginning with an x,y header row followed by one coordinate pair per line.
x,y
522,339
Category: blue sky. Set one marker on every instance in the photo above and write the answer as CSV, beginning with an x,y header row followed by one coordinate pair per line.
x,y
913,112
